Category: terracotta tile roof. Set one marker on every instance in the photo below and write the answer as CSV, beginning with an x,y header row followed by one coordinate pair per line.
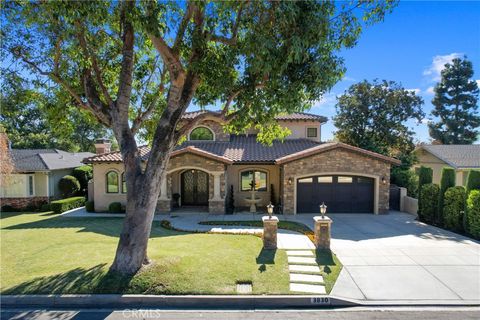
x,y
245,149
296,116
456,155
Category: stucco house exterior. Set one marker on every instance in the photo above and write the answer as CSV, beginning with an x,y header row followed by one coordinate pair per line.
x,y
36,175
462,158
298,174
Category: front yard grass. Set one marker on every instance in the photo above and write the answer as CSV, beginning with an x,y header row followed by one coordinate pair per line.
x,y
328,262
43,253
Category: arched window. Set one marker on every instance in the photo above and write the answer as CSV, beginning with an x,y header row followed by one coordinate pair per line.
x,y
124,184
253,177
202,133
112,182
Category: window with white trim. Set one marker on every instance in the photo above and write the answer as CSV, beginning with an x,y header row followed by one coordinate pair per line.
x,y
256,178
312,132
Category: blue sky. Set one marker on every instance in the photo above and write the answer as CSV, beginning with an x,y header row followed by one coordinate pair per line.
x,y
410,46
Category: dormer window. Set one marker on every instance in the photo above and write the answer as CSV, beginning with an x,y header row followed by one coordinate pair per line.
x,y
312,132
202,134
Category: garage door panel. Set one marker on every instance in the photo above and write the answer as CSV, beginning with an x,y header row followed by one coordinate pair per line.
x,y
342,194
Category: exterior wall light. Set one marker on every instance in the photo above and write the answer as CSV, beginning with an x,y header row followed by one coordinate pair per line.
x,y
270,210
384,181
290,180
323,209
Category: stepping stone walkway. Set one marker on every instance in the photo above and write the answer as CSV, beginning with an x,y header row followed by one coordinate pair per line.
x,y
304,272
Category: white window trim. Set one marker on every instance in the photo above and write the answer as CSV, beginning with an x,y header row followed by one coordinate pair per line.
x,y
33,185
213,133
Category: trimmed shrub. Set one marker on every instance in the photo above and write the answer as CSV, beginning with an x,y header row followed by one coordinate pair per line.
x,y
473,213
8,208
446,181
473,181
63,205
115,207
428,201
407,179
45,207
69,186
90,206
454,208
230,201
83,175
425,176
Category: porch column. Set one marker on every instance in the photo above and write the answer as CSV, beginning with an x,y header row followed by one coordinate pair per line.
x,y
216,186
163,189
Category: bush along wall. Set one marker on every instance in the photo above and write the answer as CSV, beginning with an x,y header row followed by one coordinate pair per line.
x,y
69,186
425,176
473,181
473,214
63,205
83,175
428,201
447,181
454,208
405,178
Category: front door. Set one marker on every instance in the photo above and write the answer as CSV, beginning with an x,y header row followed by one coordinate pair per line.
x,y
194,188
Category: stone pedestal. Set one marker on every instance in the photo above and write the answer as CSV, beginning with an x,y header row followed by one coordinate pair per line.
x,y
270,232
322,232
216,206
164,206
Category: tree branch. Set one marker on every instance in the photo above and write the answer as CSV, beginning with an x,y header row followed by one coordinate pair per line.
x,y
233,39
183,26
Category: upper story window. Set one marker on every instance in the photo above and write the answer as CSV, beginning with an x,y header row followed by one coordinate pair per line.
x,y
312,132
202,133
112,182
255,178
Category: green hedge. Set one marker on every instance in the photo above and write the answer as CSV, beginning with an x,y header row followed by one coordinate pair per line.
x,y
446,181
63,205
405,178
115,207
473,213
69,186
83,175
428,201
454,208
90,206
473,180
425,176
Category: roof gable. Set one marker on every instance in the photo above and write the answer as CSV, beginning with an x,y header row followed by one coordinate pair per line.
x,y
26,160
456,155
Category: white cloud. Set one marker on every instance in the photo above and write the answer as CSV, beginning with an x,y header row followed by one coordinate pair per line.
x,y
425,121
438,63
478,83
327,101
415,91
347,78
430,91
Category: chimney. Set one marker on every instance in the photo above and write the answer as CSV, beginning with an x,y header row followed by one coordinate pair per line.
x,y
102,146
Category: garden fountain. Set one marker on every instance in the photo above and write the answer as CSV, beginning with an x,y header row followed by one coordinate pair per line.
x,y
253,199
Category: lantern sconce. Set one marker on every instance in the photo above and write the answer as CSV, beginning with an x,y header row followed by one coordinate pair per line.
x,y
384,181
290,180
270,210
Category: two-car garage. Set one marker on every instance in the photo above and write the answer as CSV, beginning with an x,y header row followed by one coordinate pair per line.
x,y
341,194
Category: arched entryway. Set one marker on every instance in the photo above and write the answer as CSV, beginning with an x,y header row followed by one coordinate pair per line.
x,y
194,188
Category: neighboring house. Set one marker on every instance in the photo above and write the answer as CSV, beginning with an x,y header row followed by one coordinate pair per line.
x,y
461,157
303,171
36,175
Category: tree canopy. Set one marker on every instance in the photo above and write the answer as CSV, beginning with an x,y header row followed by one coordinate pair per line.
x,y
456,105
138,65
374,116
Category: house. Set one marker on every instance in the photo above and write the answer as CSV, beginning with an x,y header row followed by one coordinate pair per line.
x,y
299,173
460,157
36,175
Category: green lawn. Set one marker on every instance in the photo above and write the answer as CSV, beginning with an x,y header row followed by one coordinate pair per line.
x,y
45,253
328,262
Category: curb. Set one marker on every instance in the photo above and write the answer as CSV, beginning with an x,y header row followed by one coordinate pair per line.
x,y
164,301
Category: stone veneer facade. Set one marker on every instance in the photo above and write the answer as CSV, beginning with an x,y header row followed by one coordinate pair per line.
x,y
340,161
187,161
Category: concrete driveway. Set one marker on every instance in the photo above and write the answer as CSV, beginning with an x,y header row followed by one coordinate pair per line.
x,y
393,257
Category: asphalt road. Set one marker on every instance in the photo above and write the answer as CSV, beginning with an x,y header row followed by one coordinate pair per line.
x,y
431,313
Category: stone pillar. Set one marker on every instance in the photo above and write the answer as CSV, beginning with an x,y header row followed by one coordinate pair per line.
x,y
270,232
216,186
322,232
163,189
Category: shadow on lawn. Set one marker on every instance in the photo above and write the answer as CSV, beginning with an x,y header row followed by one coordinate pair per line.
x,y
266,256
105,226
79,280
325,258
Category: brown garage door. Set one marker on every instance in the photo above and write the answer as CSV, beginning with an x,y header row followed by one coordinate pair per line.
x,y
341,194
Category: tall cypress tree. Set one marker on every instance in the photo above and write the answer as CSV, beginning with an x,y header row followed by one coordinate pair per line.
x,y
455,101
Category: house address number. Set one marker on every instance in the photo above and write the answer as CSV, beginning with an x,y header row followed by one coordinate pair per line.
x,y
320,300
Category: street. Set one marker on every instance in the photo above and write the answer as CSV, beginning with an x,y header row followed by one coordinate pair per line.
x,y
356,313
